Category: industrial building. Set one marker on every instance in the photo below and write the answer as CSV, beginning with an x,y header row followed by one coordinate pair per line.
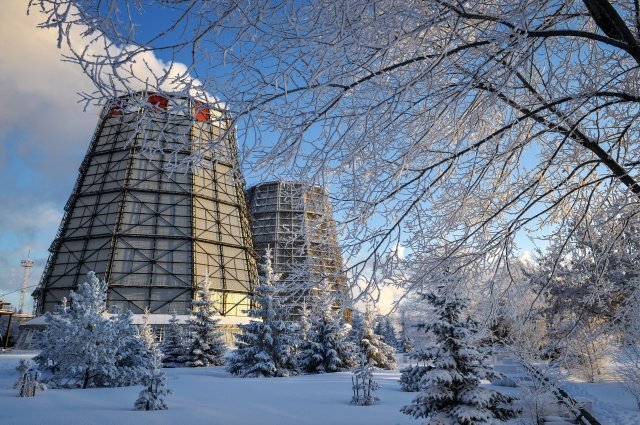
x,y
152,229
295,220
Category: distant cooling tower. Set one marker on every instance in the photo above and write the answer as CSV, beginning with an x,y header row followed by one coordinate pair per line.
x,y
152,233
296,222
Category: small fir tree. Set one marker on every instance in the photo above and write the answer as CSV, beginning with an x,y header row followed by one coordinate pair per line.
x,y
326,347
28,379
173,346
152,396
82,346
363,385
451,392
375,351
207,347
266,347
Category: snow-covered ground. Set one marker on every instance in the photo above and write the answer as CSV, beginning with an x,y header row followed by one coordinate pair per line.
x,y
212,396
611,403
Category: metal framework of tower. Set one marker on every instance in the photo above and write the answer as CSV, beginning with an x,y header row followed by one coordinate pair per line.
x,y
26,265
295,220
154,233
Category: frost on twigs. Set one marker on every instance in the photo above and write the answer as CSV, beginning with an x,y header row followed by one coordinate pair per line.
x,y
438,124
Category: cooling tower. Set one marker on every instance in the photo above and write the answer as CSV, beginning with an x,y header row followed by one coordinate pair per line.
x,y
153,229
295,221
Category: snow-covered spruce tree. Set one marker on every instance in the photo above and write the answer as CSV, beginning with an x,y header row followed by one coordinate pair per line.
x,y
207,347
384,329
152,396
83,347
326,347
451,391
173,346
373,348
265,347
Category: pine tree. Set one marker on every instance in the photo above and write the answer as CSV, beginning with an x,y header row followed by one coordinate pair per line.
x,y
173,346
83,347
266,347
152,397
326,347
207,347
451,392
375,350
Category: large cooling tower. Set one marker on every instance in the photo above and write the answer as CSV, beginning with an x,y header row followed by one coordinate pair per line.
x,y
155,232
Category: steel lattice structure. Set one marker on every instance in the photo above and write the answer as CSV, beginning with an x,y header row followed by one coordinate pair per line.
x,y
152,232
295,220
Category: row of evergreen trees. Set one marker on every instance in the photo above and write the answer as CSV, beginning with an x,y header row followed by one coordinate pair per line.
x,y
319,342
272,343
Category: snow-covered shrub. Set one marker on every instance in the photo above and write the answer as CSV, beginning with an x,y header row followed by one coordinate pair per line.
x,y
266,347
451,391
207,347
173,346
363,385
152,396
585,355
83,346
28,379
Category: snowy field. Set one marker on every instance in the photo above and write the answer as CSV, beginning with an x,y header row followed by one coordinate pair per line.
x,y
611,403
208,396
212,396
